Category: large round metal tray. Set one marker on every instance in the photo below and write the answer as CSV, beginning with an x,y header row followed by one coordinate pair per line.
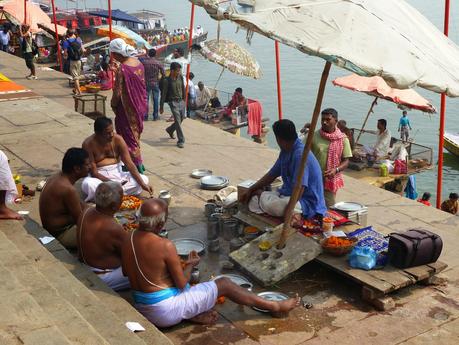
x,y
237,279
347,206
199,173
185,245
271,296
214,182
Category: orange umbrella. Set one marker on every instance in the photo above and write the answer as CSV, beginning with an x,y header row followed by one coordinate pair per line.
x,y
377,87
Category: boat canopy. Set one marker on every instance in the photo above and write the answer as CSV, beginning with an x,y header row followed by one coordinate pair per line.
x,y
117,15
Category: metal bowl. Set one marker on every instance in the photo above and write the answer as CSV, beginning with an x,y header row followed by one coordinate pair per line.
x,y
213,182
199,173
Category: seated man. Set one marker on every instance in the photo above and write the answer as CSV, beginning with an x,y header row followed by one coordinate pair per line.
x,y
203,96
59,203
381,148
161,290
452,204
100,236
236,101
312,202
107,151
8,189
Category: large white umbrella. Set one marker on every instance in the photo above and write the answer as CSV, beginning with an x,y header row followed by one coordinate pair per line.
x,y
387,38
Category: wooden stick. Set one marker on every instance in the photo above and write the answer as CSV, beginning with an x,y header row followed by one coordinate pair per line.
x,y
375,102
296,191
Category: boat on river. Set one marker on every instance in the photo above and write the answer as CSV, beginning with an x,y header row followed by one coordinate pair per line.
x,y
452,143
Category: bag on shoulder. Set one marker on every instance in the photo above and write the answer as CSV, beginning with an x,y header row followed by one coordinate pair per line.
x,y
414,248
34,47
74,50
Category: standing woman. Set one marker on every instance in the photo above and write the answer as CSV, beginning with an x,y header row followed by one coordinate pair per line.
x,y
129,100
28,50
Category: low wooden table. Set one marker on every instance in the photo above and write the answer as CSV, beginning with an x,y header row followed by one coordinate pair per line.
x,y
376,284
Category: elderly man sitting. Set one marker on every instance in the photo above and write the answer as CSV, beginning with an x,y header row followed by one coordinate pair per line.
x,y
60,205
7,189
107,151
161,290
100,237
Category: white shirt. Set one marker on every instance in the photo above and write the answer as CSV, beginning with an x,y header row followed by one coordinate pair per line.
x,y
382,143
181,60
191,88
203,97
4,38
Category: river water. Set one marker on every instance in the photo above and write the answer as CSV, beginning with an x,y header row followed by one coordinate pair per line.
x,y
300,78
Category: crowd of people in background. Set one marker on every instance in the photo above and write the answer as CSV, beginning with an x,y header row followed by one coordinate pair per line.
x,y
167,37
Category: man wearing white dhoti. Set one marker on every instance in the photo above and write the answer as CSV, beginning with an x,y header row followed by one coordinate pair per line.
x,y
100,237
160,285
7,189
109,154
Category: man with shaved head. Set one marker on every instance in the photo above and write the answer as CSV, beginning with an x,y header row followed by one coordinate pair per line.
x,y
160,284
100,237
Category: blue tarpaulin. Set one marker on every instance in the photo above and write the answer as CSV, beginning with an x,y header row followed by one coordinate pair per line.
x,y
117,15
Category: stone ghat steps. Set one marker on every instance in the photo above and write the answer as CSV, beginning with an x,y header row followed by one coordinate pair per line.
x,y
53,299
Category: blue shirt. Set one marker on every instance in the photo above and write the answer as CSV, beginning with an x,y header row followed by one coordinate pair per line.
x,y
312,201
404,121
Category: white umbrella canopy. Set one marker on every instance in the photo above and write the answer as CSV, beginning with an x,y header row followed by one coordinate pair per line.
x,y
386,38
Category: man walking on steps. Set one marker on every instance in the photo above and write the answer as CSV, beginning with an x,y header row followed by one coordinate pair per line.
x,y
173,92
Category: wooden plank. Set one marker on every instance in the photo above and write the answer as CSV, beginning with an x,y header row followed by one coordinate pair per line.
x,y
438,266
269,267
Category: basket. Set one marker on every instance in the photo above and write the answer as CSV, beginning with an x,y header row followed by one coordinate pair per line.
x,y
339,251
92,88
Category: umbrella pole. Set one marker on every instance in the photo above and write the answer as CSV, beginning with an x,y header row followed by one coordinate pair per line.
x,y
278,77
375,102
297,189
190,43
110,19
58,46
25,11
442,122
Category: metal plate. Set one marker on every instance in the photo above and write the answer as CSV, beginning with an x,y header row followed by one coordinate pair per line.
x,y
214,182
185,245
199,173
271,296
348,206
236,279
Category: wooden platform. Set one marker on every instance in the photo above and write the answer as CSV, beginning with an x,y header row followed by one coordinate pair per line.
x,y
376,284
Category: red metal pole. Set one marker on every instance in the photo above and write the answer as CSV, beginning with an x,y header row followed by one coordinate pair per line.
x,y
25,11
190,43
58,46
110,19
279,90
442,121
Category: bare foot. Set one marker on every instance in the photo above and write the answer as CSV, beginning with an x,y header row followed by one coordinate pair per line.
x,y
206,318
6,213
286,306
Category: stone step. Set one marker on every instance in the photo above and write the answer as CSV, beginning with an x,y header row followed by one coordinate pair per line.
x,y
68,289
21,277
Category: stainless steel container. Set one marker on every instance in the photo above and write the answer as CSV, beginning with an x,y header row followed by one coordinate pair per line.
x,y
195,276
166,196
355,212
236,243
209,209
230,229
213,245
213,229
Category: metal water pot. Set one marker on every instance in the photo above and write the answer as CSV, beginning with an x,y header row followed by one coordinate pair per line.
x,y
166,196
213,228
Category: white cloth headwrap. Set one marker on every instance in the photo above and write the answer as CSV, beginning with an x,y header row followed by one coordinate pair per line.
x,y
118,45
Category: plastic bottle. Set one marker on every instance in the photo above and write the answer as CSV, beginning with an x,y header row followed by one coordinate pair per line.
x,y
383,170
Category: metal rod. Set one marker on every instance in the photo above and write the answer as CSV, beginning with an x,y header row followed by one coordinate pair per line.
x,y
58,46
190,43
25,11
442,122
110,19
278,76
296,190
375,102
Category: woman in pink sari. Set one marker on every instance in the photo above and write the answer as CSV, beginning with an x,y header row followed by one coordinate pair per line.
x,y
129,100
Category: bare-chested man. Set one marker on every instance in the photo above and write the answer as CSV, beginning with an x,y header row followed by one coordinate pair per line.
x,y
107,151
160,284
60,205
100,237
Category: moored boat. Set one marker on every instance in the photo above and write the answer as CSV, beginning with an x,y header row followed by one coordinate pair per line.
x,y
452,143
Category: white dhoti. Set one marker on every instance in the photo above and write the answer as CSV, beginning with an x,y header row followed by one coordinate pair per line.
x,y
6,179
183,306
113,172
272,203
114,278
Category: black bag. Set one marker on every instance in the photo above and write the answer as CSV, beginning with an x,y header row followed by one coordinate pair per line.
x,y
74,50
34,47
414,248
